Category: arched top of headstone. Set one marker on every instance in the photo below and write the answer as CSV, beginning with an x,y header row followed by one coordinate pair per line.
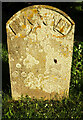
x,y
37,15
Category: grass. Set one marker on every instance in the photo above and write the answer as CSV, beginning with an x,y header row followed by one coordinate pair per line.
x,y
26,108
67,108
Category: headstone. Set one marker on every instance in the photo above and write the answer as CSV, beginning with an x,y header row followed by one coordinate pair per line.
x,y
40,46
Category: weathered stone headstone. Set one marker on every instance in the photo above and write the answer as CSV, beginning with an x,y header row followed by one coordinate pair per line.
x,y
40,45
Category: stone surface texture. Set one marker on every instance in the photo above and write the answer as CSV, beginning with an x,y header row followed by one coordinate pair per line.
x,y
40,46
